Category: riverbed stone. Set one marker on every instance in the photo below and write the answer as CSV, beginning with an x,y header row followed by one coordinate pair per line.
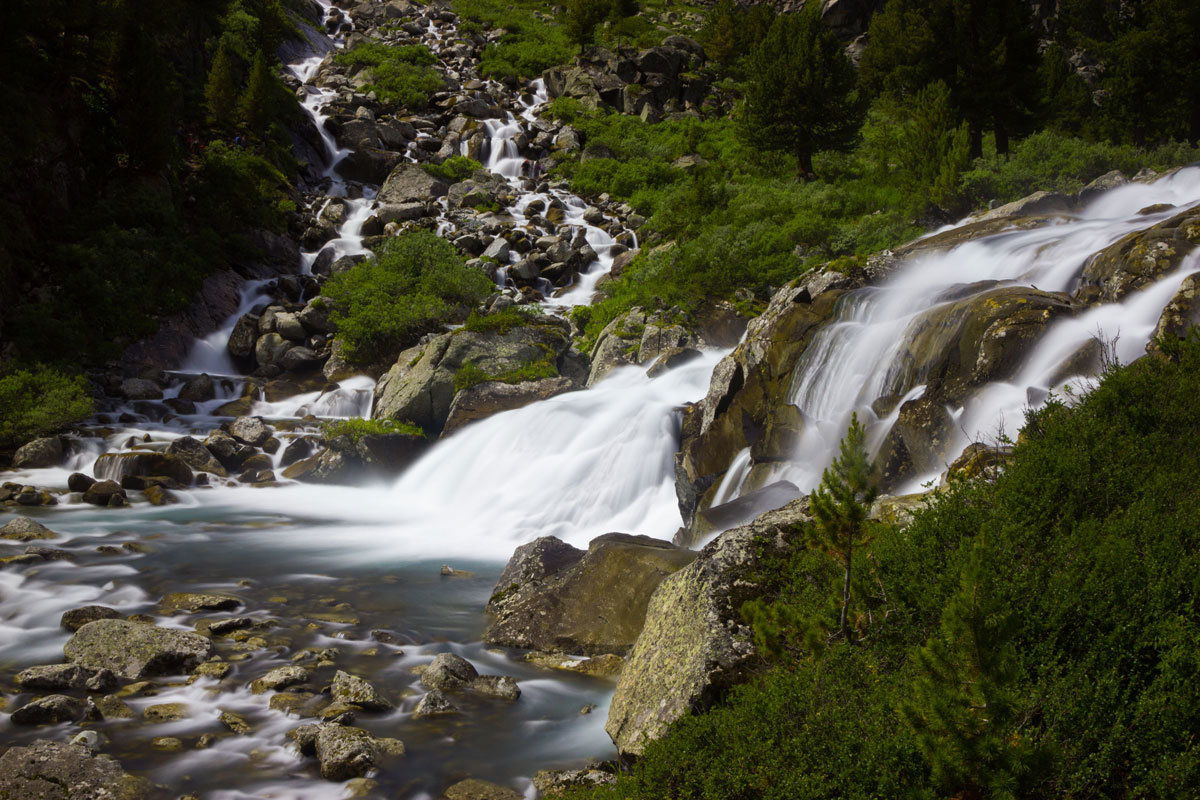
x,y
448,672
48,770
39,454
105,493
279,678
140,389
344,752
191,602
67,676
356,691
165,712
502,687
193,453
75,618
134,651
434,704
250,430
492,397
557,782
695,644
591,606
50,710
116,466
409,183
475,789
24,529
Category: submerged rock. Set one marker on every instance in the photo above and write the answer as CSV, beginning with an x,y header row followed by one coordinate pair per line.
x,y
134,651
553,599
47,770
475,789
50,710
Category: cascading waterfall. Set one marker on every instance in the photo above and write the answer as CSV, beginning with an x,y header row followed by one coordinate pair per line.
x,y
860,356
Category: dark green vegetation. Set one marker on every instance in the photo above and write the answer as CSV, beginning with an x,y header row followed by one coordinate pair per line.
x,y
470,375
122,187
531,43
402,75
416,283
1036,635
453,169
39,400
356,428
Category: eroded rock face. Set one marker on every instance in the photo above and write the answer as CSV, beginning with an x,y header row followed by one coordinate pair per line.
x,y
551,599
694,645
491,397
409,183
47,770
1140,258
133,650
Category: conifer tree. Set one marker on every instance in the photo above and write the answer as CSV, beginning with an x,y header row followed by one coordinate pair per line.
x,y
801,96
221,88
582,18
254,107
839,508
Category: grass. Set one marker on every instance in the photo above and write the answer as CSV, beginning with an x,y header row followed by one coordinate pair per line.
x,y
356,428
501,321
533,41
453,169
402,75
469,374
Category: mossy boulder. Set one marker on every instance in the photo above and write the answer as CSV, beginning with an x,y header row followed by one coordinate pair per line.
x,y
591,602
1140,258
47,770
134,650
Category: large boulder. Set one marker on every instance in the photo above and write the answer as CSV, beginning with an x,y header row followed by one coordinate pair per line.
x,y
1140,258
47,770
344,752
40,453
142,463
133,650
251,431
409,183
193,453
694,644
349,461
420,387
590,603
24,529
492,397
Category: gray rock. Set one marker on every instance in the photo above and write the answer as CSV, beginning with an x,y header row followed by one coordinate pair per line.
x,y
67,676
556,782
271,348
198,389
448,672
140,389
39,454
1038,203
593,605
142,463
229,451
492,397
354,690
193,453
250,430
694,644
24,529
191,602
133,650
75,618
433,704
475,789
105,493
50,710
300,359
242,339
47,770
409,183
503,687
279,678
344,752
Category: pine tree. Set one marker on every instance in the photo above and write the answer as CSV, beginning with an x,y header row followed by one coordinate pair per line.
x,y
582,18
964,708
801,96
221,88
254,107
839,508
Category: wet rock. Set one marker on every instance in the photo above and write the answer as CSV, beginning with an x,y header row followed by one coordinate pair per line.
x,y
278,679
67,676
695,645
116,466
600,666
1038,203
236,723
140,389
448,672
78,482
297,450
228,451
134,651
617,344
300,359
198,389
593,605
434,704
76,618
409,183
737,512
167,744
24,529
212,669
50,710
492,397
250,430
1179,315
159,496
475,789
557,782
165,712
1140,258
191,602
355,691
343,752
39,454
198,457
105,493
1107,181
47,770
669,359
112,707
242,340
503,687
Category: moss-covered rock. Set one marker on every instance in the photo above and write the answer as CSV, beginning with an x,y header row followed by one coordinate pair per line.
x,y
1140,258
134,651
47,770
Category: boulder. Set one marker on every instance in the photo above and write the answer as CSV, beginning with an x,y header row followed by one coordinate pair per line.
x,y
448,672
229,451
1038,203
279,678
368,165
191,452
737,512
24,529
67,676
1140,258
78,482
355,691
250,430
242,340
475,789
139,463
1180,314
409,183
105,493
192,602
434,704
39,454
47,770
591,605
344,752
134,651
502,687
198,389
492,397
140,389
75,618
695,645
50,710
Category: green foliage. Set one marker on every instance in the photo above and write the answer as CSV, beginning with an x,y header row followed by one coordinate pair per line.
x,y
221,89
1036,634
801,96
453,169
401,75
501,321
265,98
40,400
470,374
356,428
416,283
532,42
582,18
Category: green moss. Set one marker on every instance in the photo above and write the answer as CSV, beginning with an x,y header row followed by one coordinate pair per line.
x,y
356,428
469,374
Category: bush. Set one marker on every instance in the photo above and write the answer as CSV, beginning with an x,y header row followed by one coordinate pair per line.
x,y
416,283
531,44
469,374
398,74
356,428
501,321
454,168
40,400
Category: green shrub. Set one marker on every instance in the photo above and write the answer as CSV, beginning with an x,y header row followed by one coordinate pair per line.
x,y
501,321
454,168
400,75
532,41
470,374
40,400
416,283
356,428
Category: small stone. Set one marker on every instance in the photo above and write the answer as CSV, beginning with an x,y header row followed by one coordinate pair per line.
x,y
279,678
499,686
112,707
341,713
475,789
354,690
291,702
434,703
197,601
448,671
211,669
165,712
167,744
49,710
236,723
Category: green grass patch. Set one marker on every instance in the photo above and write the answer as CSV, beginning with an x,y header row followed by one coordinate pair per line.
x,y
469,374
356,428
501,321
402,75
533,40
454,169
40,400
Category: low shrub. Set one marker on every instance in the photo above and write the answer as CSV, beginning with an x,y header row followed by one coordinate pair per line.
x,y
402,75
40,400
454,169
